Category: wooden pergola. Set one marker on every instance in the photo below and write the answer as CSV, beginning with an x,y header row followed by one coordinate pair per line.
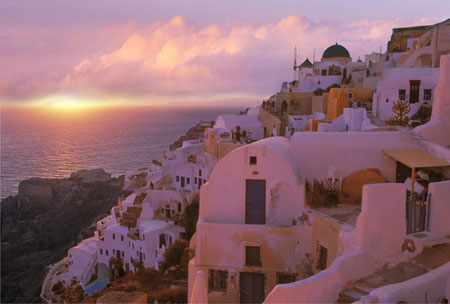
x,y
414,159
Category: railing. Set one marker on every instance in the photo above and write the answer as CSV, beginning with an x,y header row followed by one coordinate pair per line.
x,y
87,271
48,277
417,213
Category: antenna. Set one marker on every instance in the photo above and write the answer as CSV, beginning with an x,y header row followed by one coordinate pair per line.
x,y
314,56
295,57
295,63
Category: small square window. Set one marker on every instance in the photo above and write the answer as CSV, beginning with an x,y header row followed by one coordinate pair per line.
x,y
402,94
218,280
253,160
350,95
252,256
284,278
427,94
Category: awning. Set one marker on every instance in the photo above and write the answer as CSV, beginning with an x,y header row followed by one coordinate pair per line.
x,y
416,158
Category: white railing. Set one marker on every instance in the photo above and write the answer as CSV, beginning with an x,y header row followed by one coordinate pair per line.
x,y
88,270
49,277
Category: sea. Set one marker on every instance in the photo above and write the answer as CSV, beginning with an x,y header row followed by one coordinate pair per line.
x,y
53,144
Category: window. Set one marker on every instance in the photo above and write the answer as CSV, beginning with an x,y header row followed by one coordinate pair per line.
x,y
350,95
188,180
387,100
296,106
132,246
284,278
114,251
107,253
402,94
324,72
318,82
123,253
204,181
101,251
114,236
177,178
252,256
253,160
195,180
218,280
162,240
199,172
143,237
179,207
427,94
121,238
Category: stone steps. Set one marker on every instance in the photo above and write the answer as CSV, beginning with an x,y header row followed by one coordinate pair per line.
x,y
129,217
351,294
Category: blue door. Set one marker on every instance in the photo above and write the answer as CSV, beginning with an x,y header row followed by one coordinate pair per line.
x,y
255,201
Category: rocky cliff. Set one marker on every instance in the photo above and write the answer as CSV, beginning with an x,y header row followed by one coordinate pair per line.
x,y
195,132
45,219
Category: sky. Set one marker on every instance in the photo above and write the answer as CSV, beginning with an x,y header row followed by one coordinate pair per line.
x,y
182,52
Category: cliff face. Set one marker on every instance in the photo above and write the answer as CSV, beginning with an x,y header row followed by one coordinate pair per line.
x,y
193,133
45,219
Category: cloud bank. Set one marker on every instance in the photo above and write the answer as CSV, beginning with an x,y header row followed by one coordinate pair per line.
x,y
176,59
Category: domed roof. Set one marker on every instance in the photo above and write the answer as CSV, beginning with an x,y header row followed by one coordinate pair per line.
x,y
336,50
306,64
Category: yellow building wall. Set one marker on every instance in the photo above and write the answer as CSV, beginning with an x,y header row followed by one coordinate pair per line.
x,y
319,103
268,122
338,100
325,233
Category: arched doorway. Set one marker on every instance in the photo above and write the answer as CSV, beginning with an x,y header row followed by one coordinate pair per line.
x,y
423,60
102,271
283,107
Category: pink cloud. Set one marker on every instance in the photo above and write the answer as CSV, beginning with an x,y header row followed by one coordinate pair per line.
x,y
179,57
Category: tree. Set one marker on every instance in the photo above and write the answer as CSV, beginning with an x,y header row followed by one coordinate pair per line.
x,y
190,218
173,253
400,118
